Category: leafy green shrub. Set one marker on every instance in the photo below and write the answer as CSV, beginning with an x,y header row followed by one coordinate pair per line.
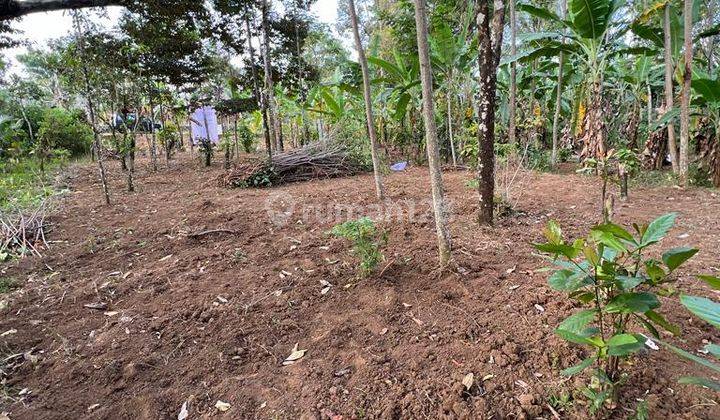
x,y
23,185
62,129
609,273
366,239
699,176
206,149
709,311
247,138
168,137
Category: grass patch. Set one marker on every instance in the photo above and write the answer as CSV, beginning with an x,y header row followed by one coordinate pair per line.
x,y
8,284
654,178
23,185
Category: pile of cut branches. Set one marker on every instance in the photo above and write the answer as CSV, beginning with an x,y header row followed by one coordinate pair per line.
x,y
319,160
23,233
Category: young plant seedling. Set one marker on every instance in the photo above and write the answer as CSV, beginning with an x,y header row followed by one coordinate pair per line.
x,y
367,242
610,276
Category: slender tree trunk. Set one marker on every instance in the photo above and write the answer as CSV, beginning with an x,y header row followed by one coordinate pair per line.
x,y
303,89
649,105
368,101
153,141
685,97
489,42
256,88
513,75
669,89
431,140
558,102
269,85
450,126
91,109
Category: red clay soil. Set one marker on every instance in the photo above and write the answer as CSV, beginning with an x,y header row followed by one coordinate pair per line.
x,y
201,318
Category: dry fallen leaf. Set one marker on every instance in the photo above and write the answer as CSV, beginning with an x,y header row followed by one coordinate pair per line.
x,y
468,381
539,308
183,412
383,331
294,356
92,407
167,257
222,406
487,377
325,290
510,270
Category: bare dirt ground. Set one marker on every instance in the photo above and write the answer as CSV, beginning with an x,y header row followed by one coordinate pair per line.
x,y
199,319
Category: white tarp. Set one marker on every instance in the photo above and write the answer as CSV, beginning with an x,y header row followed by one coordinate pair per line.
x,y
199,120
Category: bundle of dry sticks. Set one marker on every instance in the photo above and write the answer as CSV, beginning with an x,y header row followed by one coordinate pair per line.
x,y
318,160
23,233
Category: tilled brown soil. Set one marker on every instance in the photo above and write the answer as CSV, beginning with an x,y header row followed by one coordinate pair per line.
x,y
204,318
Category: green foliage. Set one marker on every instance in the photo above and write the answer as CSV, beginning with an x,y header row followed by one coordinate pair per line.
x,y
709,311
206,149
168,135
366,240
609,274
23,185
63,129
7,284
247,138
699,176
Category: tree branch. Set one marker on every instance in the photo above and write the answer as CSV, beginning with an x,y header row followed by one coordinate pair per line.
x,y
11,9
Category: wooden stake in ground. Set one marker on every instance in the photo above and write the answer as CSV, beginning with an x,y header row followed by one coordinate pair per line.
x,y
685,97
368,101
431,140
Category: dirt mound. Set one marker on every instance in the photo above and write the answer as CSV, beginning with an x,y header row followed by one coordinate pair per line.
x,y
130,315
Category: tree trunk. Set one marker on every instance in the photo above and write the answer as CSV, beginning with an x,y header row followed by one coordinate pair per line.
x,y
594,130
685,97
431,140
450,128
153,142
672,146
91,109
368,101
269,86
513,76
489,42
558,103
256,88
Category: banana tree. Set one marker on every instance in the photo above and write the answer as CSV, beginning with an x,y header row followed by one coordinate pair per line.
x,y
594,34
634,77
452,57
707,98
401,80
